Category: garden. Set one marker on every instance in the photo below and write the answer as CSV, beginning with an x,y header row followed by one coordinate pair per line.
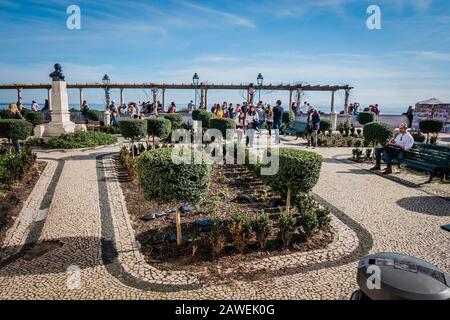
x,y
192,216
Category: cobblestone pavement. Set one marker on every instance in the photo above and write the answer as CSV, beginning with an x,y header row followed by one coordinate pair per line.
x,y
81,221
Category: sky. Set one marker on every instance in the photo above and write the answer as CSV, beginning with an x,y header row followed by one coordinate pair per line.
x,y
324,42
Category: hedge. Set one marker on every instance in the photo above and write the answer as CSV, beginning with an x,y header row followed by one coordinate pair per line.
x,y
94,115
378,133
5,114
223,125
325,126
205,117
431,126
15,129
82,139
36,118
288,118
14,166
176,120
160,128
133,129
366,117
164,181
298,171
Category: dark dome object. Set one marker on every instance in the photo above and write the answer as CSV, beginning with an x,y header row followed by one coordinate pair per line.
x,y
401,277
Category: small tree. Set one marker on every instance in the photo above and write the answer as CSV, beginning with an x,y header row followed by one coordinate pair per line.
x,y
36,118
15,130
432,126
176,119
160,128
165,181
222,125
133,129
376,133
205,117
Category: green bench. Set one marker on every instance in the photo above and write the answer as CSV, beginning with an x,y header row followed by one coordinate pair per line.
x,y
296,128
430,158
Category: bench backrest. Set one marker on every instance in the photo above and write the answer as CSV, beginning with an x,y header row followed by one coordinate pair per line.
x,y
298,126
430,153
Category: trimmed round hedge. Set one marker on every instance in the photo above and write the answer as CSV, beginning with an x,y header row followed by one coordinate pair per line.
x,y
164,181
36,118
205,117
133,129
222,125
176,119
5,114
81,139
15,129
288,117
431,126
366,117
196,114
299,171
325,126
160,128
378,132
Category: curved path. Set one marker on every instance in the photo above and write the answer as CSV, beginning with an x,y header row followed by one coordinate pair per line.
x,y
81,223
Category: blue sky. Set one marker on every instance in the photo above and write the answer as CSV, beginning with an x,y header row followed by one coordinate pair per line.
x,y
309,41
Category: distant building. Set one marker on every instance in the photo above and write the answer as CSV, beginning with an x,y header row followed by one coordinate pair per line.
x,y
432,109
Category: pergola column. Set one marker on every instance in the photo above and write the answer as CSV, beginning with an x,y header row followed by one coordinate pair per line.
x,y
333,114
206,99
299,100
290,99
164,99
155,92
347,96
81,97
122,98
19,97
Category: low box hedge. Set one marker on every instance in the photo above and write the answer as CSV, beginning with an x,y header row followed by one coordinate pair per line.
x,y
133,129
94,115
79,140
14,166
15,129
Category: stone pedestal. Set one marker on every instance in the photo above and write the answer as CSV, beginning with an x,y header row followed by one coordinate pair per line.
x,y
107,117
333,119
60,111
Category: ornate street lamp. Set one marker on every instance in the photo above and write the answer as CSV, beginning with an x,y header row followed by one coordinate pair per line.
x,y
195,81
106,82
260,80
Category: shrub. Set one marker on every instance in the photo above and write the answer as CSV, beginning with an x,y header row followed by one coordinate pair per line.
x,y
127,162
222,125
323,218
108,129
160,128
205,117
418,137
5,114
378,132
298,171
94,115
286,226
133,129
176,120
305,203
240,229
78,140
261,226
196,114
309,223
431,126
15,129
164,181
366,117
325,125
36,118
217,237
288,118
14,166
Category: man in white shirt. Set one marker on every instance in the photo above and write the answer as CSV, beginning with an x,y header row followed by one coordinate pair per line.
x,y
395,149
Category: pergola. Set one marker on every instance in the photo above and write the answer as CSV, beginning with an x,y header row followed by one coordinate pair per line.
x,y
296,89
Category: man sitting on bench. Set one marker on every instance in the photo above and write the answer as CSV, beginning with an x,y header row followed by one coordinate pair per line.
x,y
394,150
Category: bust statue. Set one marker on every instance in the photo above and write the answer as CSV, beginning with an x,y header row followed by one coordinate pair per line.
x,y
57,75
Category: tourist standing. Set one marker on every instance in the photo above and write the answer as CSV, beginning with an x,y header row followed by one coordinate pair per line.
x,y
15,114
313,127
261,117
410,116
34,106
84,111
219,112
240,125
191,106
231,111
278,112
172,108
251,121
269,119
114,114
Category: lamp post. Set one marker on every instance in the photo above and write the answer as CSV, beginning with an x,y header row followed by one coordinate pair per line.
x,y
106,115
195,81
260,80
106,82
